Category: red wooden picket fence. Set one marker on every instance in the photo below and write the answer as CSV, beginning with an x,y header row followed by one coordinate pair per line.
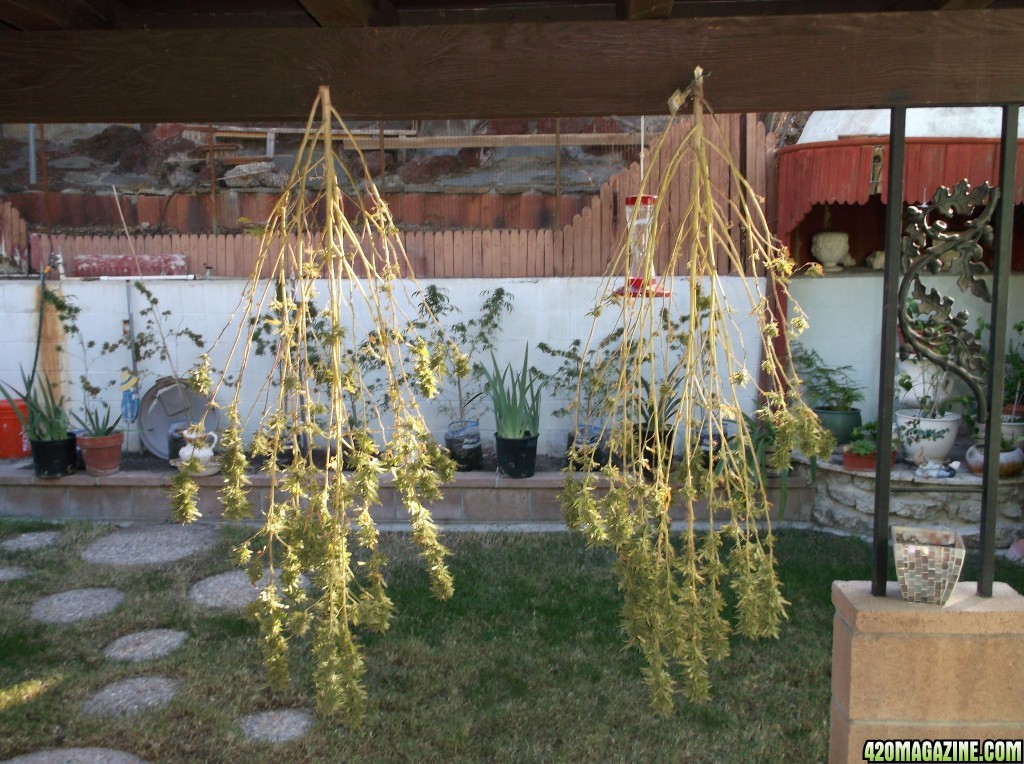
x,y
583,247
13,234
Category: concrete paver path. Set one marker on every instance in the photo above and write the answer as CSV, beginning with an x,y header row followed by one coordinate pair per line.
x,y
26,541
75,605
76,756
129,696
150,546
12,573
145,645
276,726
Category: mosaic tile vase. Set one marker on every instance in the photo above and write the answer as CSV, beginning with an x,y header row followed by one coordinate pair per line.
x,y
928,563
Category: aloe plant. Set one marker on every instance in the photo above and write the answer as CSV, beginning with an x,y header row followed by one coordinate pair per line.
x,y
45,417
516,398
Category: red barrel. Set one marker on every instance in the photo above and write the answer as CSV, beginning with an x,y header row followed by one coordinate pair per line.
x,y
13,443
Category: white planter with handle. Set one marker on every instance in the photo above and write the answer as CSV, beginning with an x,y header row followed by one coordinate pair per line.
x,y
926,439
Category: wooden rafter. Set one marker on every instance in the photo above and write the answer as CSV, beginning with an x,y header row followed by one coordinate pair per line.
x,y
644,9
755,64
350,13
966,5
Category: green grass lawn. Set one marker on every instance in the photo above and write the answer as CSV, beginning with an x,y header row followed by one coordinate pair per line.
x,y
526,663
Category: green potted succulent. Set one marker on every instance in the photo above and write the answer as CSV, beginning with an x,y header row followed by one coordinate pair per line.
x,y
99,440
830,391
861,453
515,396
45,424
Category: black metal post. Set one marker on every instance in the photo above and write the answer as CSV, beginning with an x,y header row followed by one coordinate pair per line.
x,y
886,379
997,346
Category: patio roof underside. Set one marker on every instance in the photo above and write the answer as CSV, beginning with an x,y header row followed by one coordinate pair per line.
x,y
262,60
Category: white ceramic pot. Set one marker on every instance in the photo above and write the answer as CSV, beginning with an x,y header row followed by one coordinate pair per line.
x,y
830,248
919,446
925,379
1013,428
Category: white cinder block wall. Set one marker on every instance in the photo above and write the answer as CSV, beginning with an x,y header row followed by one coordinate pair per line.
x,y
550,310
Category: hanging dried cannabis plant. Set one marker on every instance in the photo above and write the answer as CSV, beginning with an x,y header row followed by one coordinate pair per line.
x,y
346,374
684,381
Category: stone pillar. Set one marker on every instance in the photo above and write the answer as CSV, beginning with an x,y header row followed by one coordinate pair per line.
x,y
906,670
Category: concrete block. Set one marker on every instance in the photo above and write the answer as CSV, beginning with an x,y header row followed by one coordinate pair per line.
x,y
494,505
906,670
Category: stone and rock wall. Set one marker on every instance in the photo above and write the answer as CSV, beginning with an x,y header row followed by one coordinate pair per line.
x,y
846,500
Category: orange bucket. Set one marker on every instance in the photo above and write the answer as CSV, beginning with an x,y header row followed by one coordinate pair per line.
x,y
13,443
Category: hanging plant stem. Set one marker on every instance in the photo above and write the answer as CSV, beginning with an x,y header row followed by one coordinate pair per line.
x,y
318,551
673,418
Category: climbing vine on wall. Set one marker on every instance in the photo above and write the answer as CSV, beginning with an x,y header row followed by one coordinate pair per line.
x,y
351,351
673,415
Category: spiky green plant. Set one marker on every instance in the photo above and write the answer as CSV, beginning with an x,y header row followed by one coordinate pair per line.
x,y
45,418
690,391
318,523
515,396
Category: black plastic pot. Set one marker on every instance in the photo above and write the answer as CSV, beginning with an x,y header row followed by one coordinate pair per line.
x,y
587,438
463,441
54,458
517,457
649,440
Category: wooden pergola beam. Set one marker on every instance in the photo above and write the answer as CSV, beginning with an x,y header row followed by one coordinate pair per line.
x,y
350,13
755,64
644,9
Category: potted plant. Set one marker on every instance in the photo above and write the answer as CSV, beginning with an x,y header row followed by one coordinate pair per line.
x,y
1013,387
464,340
581,379
1011,458
515,396
45,424
99,441
928,431
656,431
861,453
830,391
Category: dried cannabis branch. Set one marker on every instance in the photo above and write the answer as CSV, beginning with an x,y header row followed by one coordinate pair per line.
x,y
343,397
687,383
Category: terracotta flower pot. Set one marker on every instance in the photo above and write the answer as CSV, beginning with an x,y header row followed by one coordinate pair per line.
x,y
864,462
101,454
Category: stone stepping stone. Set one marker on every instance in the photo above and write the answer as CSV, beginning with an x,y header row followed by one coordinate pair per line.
x,y
150,546
27,541
276,726
76,756
12,573
130,696
229,591
145,645
75,605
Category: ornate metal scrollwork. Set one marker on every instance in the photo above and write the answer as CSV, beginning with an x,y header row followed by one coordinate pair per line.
x,y
934,331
